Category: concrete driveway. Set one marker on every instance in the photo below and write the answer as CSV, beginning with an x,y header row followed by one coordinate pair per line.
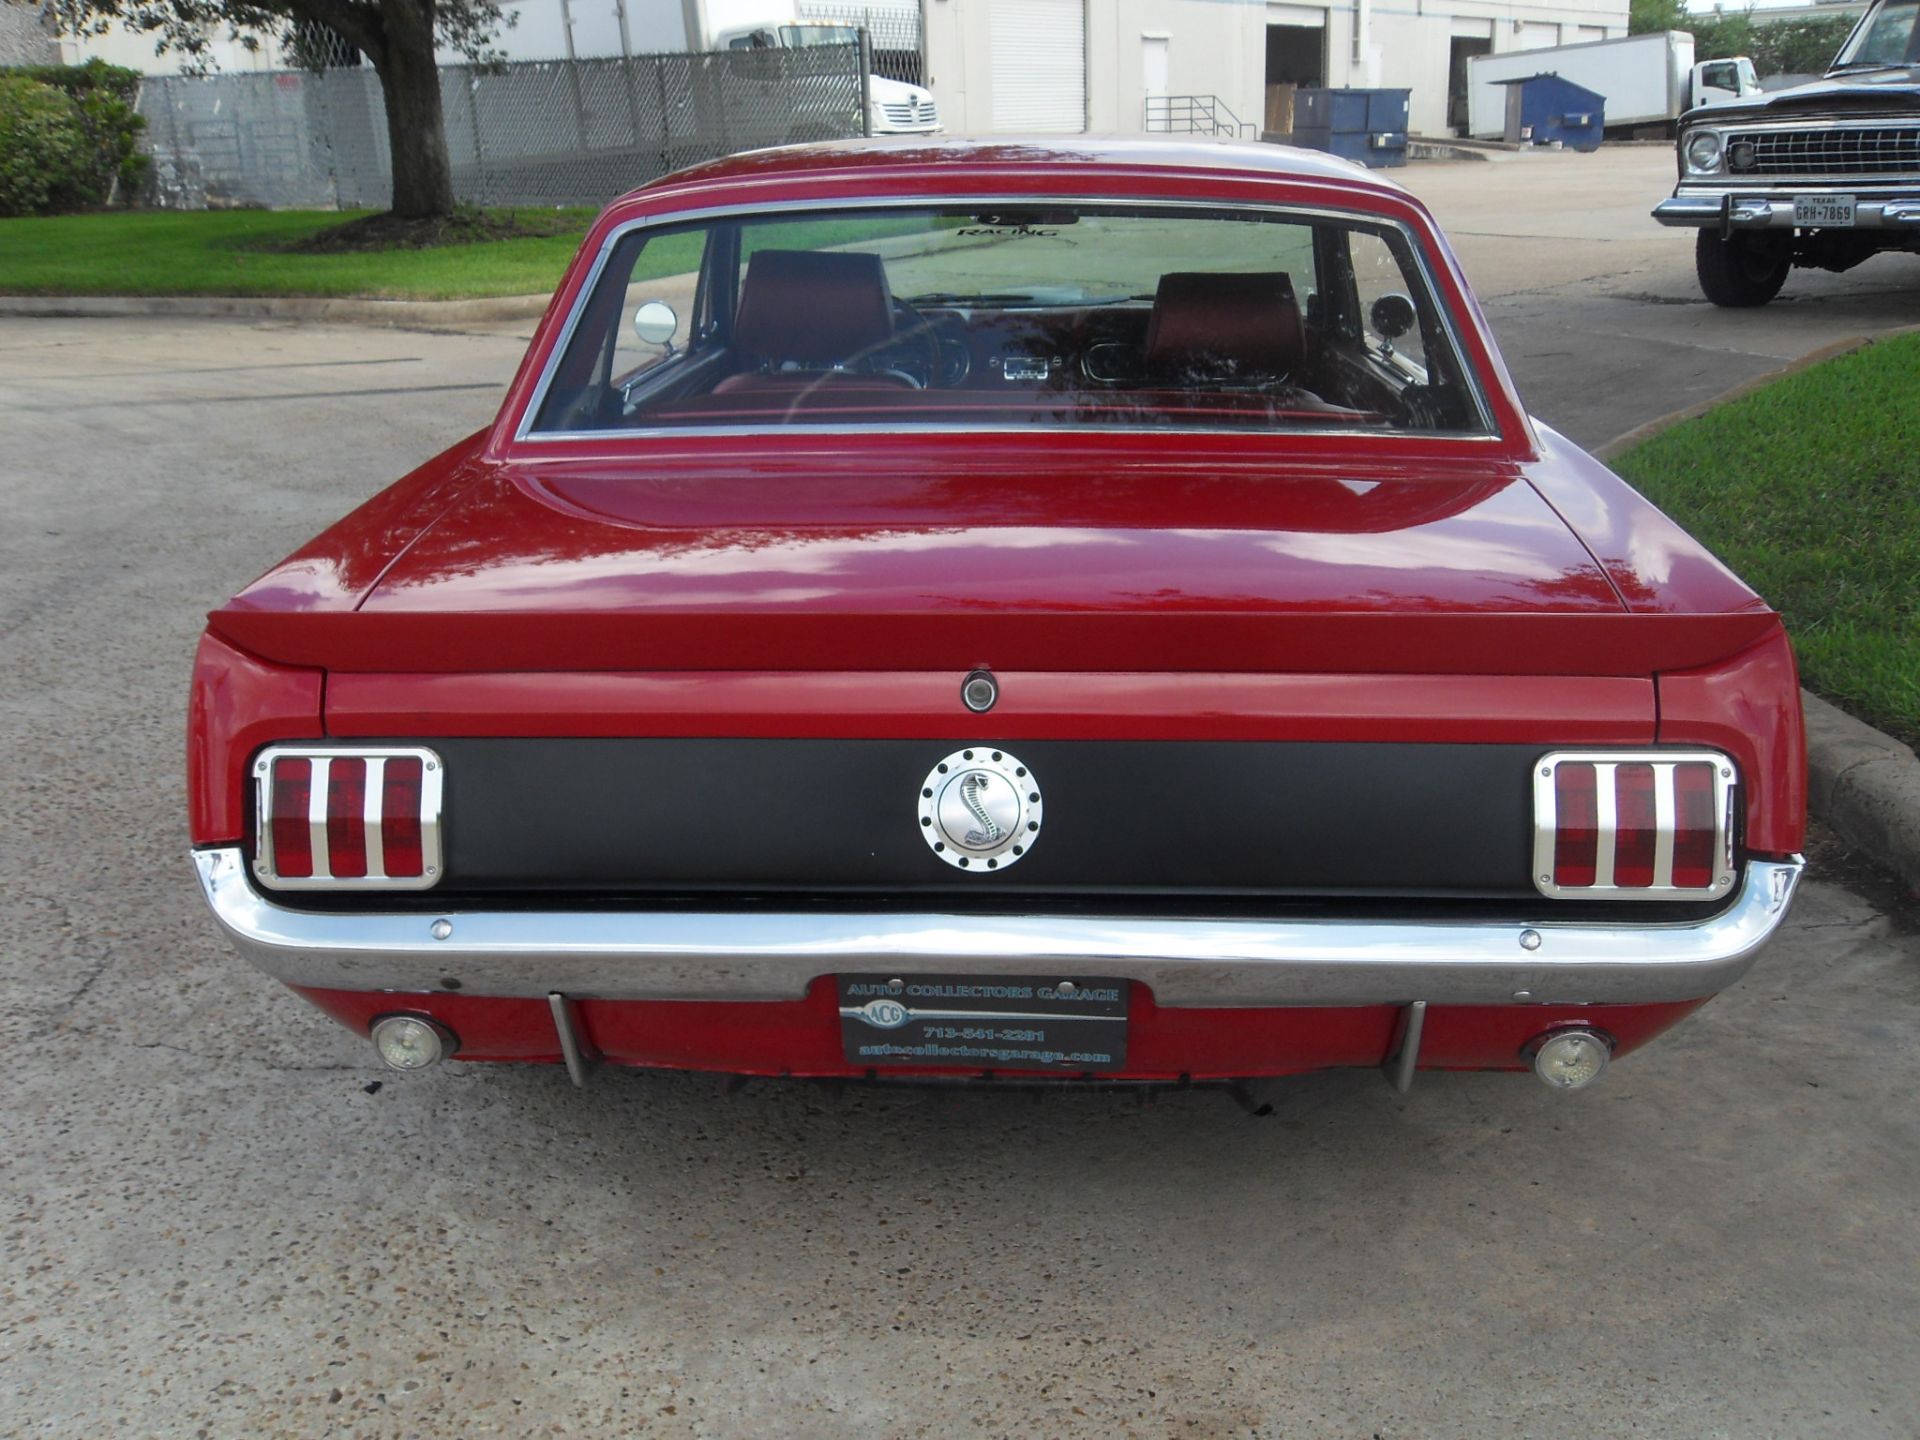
x,y
222,1218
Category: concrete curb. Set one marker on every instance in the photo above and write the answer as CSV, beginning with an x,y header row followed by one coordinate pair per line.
x,y
1419,149
1866,785
1861,781
428,314
1620,444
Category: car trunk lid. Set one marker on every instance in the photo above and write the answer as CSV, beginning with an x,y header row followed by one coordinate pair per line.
x,y
1064,562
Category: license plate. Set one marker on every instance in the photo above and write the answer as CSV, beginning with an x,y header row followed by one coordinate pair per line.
x,y
1073,1024
1823,211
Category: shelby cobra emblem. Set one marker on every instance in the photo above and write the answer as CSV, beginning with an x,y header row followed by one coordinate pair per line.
x,y
980,809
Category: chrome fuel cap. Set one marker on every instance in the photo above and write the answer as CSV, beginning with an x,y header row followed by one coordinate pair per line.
x,y
980,809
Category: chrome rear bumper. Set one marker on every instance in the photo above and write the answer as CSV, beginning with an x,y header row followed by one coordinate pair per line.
x,y
705,955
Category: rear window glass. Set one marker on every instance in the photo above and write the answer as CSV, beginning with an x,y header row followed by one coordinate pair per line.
x,y
995,317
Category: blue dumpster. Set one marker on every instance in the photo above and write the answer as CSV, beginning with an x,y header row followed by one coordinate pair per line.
x,y
1387,110
1341,111
1368,126
1544,108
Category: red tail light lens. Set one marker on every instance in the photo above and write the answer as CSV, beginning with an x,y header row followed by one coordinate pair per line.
x,y
349,820
1648,825
1694,824
1635,830
1576,838
400,816
289,798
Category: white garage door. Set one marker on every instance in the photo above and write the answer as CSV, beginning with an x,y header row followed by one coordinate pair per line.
x,y
1039,50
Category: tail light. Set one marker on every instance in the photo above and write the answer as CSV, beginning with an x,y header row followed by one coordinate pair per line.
x,y
347,819
1634,825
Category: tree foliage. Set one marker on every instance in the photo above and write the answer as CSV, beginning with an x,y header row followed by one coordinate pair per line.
x,y
106,95
398,37
67,134
1645,17
1777,47
43,149
190,27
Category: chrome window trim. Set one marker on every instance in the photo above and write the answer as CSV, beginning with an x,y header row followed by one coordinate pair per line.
x,y
432,774
708,432
767,955
525,434
1606,763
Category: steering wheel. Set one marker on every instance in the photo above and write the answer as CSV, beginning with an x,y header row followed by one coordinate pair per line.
x,y
910,327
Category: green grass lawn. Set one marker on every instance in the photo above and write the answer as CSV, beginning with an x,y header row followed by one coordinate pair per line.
x,y
1810,490
233,252
228,252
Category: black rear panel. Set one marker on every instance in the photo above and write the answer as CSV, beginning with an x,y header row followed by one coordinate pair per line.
x,y
1122,819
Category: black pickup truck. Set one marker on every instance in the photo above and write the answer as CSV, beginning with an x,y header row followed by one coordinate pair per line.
x,y
1822,175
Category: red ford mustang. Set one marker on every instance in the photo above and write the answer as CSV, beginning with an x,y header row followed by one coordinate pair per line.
x,y
1001,610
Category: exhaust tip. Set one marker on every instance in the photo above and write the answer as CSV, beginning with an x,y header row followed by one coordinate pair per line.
x,y
411,1042
1571,1059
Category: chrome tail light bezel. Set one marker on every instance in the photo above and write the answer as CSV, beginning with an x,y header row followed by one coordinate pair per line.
x,y
432,777
1726,790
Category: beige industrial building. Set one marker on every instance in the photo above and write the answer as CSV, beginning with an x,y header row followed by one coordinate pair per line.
x,y
1124,66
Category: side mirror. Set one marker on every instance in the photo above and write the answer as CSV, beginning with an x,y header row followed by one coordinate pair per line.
x,y
655,323
1391,316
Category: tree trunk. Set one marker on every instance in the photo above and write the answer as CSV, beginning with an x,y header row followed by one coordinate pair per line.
x,y
416,127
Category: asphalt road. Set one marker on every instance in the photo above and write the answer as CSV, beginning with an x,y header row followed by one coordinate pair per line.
x,y
222,1218
1596,307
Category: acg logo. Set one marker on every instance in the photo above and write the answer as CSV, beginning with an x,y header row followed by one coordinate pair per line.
x,y
885,1014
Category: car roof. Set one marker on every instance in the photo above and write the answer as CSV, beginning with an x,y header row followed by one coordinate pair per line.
x,y
937,155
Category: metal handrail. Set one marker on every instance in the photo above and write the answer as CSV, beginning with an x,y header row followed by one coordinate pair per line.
x,y
1193,115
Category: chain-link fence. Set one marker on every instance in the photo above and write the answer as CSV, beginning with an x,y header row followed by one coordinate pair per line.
x,y
899,45
554,132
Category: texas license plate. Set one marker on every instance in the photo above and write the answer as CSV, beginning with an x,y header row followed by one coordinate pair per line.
x,y
1823,211
1074,1024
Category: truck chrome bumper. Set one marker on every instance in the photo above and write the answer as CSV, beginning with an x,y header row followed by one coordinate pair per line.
x,y
708,955
1775,212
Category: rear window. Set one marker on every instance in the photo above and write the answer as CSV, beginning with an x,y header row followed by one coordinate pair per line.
x,y
1031,316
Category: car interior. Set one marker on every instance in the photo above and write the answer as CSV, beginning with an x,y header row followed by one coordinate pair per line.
x,y
819,337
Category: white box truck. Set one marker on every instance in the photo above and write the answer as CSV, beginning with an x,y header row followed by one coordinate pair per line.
x,y
894,107
1649,80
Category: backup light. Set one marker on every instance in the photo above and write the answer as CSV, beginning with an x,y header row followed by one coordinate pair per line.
x,y
339,819
408,1042
1571,1059
1634,825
